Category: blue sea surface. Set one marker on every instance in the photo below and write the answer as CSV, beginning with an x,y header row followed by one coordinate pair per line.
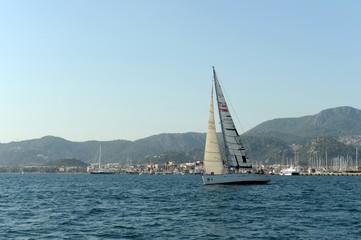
x,y
84,206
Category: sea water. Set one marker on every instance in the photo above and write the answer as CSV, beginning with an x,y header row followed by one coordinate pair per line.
x,y
84,206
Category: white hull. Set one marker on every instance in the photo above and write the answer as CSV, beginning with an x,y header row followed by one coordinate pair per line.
x,y
235,178
101,172
290,171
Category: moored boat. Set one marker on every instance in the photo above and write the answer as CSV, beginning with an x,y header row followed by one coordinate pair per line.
x,y
291,171
100,170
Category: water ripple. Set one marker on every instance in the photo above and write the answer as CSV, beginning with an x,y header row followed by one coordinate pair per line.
x,y
177,207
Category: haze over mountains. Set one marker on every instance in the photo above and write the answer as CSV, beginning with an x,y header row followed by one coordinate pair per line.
x,y
335,130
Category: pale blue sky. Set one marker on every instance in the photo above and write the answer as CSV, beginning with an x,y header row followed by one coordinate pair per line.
x,y
105,70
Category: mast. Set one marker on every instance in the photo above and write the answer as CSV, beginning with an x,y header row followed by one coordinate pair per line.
x,y
235,152
100,154
356,158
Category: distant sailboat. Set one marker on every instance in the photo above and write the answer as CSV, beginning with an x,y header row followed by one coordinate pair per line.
x,y
100,169
235,168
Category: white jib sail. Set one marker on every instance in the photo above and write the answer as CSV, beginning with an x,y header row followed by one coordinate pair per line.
x,y
212,157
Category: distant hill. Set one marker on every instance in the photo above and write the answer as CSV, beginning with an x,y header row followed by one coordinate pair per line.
x,y
281,139
39,152
336,130
68,162
323,147
335,122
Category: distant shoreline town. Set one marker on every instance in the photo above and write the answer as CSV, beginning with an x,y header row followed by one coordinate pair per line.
x,y
116,168
171,168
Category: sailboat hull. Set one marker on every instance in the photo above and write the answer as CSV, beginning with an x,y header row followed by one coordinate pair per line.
x,y
101,172
236,178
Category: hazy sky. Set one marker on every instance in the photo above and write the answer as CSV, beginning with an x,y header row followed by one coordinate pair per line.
x,y
106,70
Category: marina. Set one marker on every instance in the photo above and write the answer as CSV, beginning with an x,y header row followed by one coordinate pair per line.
x,y
331,174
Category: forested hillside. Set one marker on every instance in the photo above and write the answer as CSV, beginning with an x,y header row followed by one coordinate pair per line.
x,y
336,131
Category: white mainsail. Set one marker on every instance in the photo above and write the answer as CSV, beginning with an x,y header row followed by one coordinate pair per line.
x,y
213,163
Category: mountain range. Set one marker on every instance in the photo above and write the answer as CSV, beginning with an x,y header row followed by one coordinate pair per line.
x,y
335,130
336,123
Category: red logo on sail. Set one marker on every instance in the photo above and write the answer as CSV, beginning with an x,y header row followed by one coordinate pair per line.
x,y
223,107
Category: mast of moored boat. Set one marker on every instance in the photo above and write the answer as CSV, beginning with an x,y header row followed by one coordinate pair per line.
x,y
99,156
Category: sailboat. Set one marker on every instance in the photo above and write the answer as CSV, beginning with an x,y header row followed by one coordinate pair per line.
x,y
235,167
100,170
